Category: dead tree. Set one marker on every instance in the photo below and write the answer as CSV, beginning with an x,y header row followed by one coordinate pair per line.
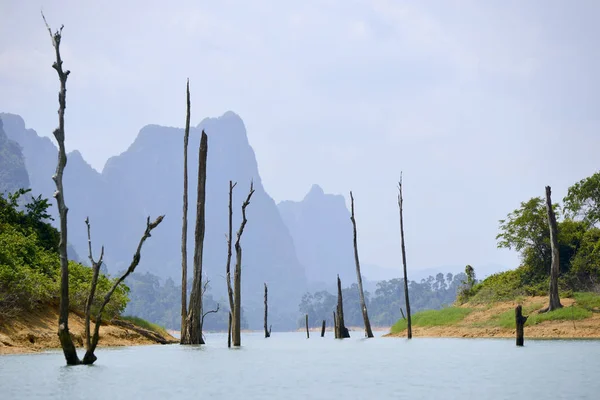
x,y
237,277
228,265
59,134
520,323
554,302
95,272
89,357
193,334
267,331
323,329
229,331
335,327
307,332
216,310
184,224
363,305
341,326
406,298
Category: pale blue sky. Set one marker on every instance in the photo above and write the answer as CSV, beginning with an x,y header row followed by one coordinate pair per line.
x,y
481,104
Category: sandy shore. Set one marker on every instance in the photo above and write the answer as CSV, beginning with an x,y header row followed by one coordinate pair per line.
x,y
37,331
478,324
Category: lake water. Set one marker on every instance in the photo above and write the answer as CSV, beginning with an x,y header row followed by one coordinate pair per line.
x,y
288,366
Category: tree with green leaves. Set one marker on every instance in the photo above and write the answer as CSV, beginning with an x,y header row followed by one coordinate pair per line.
x,y
583,200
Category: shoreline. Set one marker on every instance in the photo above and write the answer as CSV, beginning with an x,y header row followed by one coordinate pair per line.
x,y
36,331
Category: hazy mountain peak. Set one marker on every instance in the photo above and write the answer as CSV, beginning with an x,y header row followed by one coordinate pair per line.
x,y
315,191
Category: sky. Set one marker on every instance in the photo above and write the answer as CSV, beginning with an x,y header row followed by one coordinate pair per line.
x,y
480,104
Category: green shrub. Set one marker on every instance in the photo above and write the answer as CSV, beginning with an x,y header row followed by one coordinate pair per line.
x,y
588,301
146,325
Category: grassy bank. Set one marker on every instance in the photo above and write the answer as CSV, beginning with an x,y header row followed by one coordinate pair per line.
x,y
579,318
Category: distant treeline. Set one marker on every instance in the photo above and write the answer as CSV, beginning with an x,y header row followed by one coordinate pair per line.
x,y
384,308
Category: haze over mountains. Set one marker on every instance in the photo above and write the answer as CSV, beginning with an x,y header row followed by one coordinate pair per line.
x,y
293,246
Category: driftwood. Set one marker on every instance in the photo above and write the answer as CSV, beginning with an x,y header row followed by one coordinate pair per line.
x,y
66,342
406,297
89,357
323,329
267,331
143,332
520,322
237,275
184,224
307,333
363,305
554,302
193,333
341,326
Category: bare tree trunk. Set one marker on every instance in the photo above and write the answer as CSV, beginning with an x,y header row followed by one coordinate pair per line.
x,y
237,278
342,330
363,304
95,272
267,332
89,357
307,333
204,314
336,333
554,270
323,329
64,336
406,297
520,322
184,224
402,312
194,323
229,331
229,236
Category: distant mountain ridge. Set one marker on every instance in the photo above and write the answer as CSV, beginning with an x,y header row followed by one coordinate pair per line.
x,y
147,180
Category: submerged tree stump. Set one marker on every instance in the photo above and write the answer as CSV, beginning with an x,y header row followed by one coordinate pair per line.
x,y
520,323
307,334
323,329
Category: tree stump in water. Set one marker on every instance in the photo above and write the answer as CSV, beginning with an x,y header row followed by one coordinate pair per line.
x,y
307,334
520,323
323,329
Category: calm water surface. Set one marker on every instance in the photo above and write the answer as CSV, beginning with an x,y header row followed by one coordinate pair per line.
x,y
288,366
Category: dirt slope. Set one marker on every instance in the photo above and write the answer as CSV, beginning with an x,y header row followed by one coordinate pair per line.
x,y
479,324
36,331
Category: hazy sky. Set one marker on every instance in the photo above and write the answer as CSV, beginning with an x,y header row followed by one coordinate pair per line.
x,y
480,104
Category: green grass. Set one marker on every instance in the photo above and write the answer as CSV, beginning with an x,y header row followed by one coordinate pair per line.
x,y
507,319
142,323
589,301
445,316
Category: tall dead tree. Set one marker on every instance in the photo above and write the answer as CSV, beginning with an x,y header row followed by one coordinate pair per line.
x,y
229,236
554,302
92,342
342,331
363,305
194,318
406,298
184,224
267,331
307,332
323,329
59,134
335,327
237,275
95,272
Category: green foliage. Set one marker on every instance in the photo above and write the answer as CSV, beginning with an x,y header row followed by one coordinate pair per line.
x,y
507,319
585,265
587,300
445,316
384,308
508,285
142,323
80,280
30,266
583,200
